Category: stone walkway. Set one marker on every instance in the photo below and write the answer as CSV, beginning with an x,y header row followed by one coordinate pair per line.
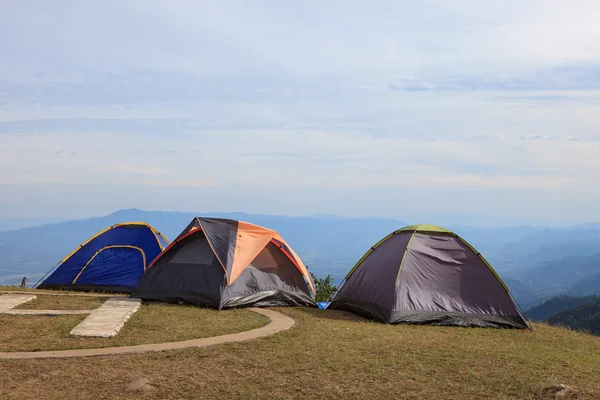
x,y
8,301
108,319
279,322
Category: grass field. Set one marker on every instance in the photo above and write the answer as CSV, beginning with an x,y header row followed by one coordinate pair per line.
x,y
57,292
47,302
330,355
152,323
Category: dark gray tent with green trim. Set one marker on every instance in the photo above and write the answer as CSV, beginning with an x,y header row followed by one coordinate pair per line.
x,y
425,274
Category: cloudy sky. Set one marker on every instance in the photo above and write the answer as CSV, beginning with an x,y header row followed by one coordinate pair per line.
x,y
427,110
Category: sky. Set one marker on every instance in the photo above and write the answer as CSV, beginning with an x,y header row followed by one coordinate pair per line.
x,y
428,111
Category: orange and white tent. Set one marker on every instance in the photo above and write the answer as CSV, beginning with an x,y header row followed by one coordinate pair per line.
x,y
227,263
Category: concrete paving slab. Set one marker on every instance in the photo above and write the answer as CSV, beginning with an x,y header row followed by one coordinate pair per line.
x,y
107,320
8,301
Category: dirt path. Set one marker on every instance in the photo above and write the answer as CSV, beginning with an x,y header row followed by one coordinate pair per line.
x,y
279,322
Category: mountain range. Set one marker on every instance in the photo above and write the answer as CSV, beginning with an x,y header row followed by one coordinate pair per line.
x,y
537,263
584,317
556,305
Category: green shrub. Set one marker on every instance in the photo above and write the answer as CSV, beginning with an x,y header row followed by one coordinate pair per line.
x,y
324,288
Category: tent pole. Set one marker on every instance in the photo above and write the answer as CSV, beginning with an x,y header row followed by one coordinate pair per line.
x,y
46,274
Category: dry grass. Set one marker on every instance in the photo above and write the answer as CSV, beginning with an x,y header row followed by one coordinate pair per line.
x,y
62,303
33,333
153,323
332,355
58,292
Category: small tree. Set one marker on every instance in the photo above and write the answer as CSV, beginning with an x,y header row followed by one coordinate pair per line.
x,y
324,287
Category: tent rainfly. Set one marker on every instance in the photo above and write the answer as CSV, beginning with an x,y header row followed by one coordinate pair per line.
x,y
113,260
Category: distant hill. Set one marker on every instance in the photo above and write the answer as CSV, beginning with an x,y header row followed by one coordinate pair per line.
x,y
493,241
11,224
331,244
327,244
524,296
556,305
558,276
585,317
586,286
546,245
538,263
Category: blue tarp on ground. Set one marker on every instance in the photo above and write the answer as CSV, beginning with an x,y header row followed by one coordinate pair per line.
x,y
114,258
323,305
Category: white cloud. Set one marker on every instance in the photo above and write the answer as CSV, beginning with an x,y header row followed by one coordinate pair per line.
x,y
394,37
315,107
311,159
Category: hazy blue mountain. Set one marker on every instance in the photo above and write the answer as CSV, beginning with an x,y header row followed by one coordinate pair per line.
x,y
491,242
589,285
327,245
540,263
585,317
523,295
548,244
558,276
557,304
11,224
331,244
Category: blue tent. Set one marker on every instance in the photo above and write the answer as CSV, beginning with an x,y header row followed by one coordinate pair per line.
x,y
111,261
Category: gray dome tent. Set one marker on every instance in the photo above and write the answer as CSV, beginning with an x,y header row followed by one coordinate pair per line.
x,y
224,263
425,274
